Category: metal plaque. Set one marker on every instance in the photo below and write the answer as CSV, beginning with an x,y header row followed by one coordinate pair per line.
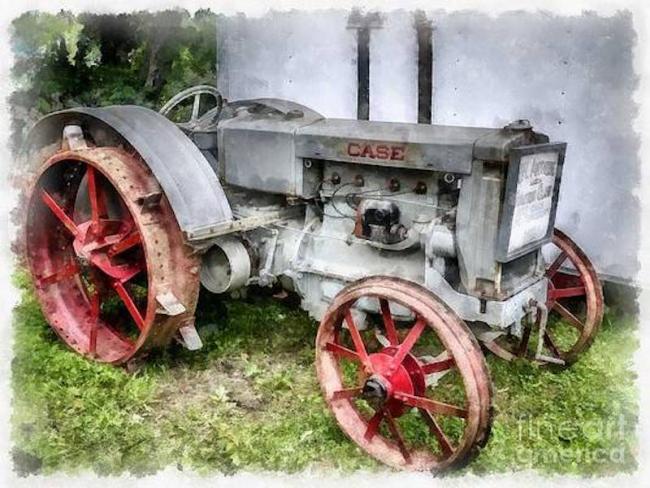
x,y
532,186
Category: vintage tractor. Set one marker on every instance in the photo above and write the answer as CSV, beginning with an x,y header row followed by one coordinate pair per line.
x,y
411,244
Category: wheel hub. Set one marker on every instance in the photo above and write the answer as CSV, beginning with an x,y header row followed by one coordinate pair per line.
x,y
375,389
92,246
386,380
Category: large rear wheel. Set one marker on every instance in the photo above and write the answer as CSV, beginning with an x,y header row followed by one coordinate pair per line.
x,y
111,270
410,387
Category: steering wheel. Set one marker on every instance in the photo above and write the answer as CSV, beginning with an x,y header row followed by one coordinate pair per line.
x,y
187,107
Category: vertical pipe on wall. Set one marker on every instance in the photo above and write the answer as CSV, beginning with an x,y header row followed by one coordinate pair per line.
x,y
363,24
363,73
424,31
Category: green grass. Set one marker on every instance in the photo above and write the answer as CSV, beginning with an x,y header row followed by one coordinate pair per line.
x,y
250,401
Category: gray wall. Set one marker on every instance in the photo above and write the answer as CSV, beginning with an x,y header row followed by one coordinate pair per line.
x,y
308,57
571,76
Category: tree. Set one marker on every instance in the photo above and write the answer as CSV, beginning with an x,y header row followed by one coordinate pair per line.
x,y
141,58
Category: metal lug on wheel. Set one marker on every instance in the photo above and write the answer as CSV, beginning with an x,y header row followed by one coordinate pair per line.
x,y
170,304
190,337
73,138
150,200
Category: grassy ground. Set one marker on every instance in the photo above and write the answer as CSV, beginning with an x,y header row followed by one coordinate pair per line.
x,y
250,400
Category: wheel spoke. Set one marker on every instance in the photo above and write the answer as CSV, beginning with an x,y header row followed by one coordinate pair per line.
x,y
389,324
557,293
357,340
95,308
59,213
373,425
397,435
407,345
196,104
341,351
437,366
121,273
432,406
95,197
550,343
126,243
68,271
552,269
129,303
95,305
129,271
436,430
568,316
346,393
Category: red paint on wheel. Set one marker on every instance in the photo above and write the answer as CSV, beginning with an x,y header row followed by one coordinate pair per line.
x,y
99,260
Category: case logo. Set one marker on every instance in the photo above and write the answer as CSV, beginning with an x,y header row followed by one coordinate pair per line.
x,y
376,151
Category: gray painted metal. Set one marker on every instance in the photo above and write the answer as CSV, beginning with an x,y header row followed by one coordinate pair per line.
x,y
190,184
263,151
226,266
257,150
281,105
499,314
431,147
477,224
438,148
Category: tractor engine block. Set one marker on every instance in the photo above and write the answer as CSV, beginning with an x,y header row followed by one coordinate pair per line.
x,y
331,201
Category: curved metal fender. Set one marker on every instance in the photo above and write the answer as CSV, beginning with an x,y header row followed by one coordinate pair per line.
x,y
190,184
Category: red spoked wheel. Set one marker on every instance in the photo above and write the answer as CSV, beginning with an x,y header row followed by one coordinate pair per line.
x,y
575,304
108,260
411,389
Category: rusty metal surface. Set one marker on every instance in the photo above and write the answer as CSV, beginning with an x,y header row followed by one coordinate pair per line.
x,y
190,184
460,346
76,267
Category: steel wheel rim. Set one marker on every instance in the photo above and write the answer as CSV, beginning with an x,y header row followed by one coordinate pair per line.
x,y
466,356
195,93
75,263
563,288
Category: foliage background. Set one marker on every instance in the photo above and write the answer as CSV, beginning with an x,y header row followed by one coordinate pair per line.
x,y
64,60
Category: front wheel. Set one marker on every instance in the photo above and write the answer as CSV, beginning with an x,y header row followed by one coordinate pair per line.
x,y
574,299
410,386
575,304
